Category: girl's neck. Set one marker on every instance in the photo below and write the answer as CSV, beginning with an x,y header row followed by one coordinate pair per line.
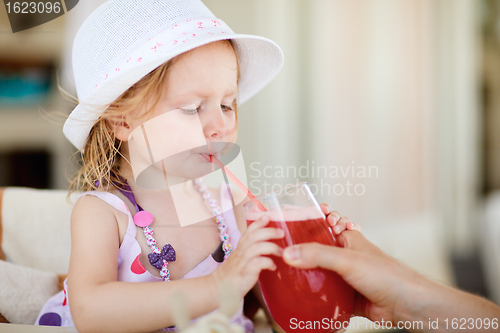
x,y
151,179
159,200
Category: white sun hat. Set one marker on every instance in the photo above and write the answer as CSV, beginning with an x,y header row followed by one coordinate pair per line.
x,y
124,40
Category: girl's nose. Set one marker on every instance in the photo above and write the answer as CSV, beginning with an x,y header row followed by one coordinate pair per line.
x,y
214,124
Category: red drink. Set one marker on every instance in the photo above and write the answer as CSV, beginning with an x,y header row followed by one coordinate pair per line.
x,y
306,300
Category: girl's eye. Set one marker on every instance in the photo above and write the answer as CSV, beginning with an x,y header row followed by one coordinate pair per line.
x,y
193,109
190,110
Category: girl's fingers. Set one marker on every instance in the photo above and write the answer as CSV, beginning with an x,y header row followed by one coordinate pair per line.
x,y
325,208
261,263
259,223
258,235
262,249
353,226
333,218
341,225
263,234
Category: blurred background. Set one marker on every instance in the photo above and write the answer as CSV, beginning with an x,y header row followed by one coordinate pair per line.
x,y
390,109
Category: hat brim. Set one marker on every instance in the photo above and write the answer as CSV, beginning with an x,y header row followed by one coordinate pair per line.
x,y
260,60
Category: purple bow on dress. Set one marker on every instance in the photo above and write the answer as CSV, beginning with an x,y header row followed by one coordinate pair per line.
x,y
167,253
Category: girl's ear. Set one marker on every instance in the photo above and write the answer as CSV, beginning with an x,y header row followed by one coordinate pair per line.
x,y
120,127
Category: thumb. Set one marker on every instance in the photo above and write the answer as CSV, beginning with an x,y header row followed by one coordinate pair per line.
x,y
311,255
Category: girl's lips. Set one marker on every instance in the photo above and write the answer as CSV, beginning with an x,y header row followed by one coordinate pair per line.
x,y
206,157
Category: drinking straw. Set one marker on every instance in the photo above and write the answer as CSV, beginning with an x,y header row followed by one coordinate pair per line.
x,y
238,183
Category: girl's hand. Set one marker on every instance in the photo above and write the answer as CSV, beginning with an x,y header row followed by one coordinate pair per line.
x,y
337,222
242,268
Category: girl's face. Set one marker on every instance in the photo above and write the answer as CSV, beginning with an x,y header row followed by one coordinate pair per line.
x,y
193,119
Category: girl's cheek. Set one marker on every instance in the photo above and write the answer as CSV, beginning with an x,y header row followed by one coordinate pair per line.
x,y
232,116
232,131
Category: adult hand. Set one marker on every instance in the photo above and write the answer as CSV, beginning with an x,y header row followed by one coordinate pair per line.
x,y
382,283
388,290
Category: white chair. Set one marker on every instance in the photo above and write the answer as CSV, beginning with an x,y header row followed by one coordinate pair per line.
x,y
35,249
489,234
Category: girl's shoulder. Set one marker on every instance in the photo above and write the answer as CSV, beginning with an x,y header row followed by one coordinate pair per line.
x,y
100,209
92,207
102,200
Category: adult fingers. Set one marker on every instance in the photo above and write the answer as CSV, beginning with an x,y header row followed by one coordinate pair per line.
x,y
311,255
354,240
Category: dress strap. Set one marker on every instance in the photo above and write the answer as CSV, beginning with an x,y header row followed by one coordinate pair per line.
x,y
127,191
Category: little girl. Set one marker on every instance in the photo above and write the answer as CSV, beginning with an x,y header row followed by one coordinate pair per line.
x,y
159,82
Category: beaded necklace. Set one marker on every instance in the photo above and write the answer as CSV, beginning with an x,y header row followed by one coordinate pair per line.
x,y
160,259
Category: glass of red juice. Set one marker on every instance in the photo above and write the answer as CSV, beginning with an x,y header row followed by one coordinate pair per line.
x,y
301,300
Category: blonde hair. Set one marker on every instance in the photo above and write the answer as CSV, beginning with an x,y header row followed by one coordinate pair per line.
x,y
98,164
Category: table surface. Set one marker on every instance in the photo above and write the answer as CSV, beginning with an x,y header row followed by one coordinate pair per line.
x,y
15,328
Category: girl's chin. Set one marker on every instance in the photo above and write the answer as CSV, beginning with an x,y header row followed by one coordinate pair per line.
x,y
205,158
190,170
195,166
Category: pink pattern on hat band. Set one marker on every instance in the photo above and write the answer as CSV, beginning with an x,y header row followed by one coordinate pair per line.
x,y
157,45
208,26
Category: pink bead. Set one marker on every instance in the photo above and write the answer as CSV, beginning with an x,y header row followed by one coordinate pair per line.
x,y
143,219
